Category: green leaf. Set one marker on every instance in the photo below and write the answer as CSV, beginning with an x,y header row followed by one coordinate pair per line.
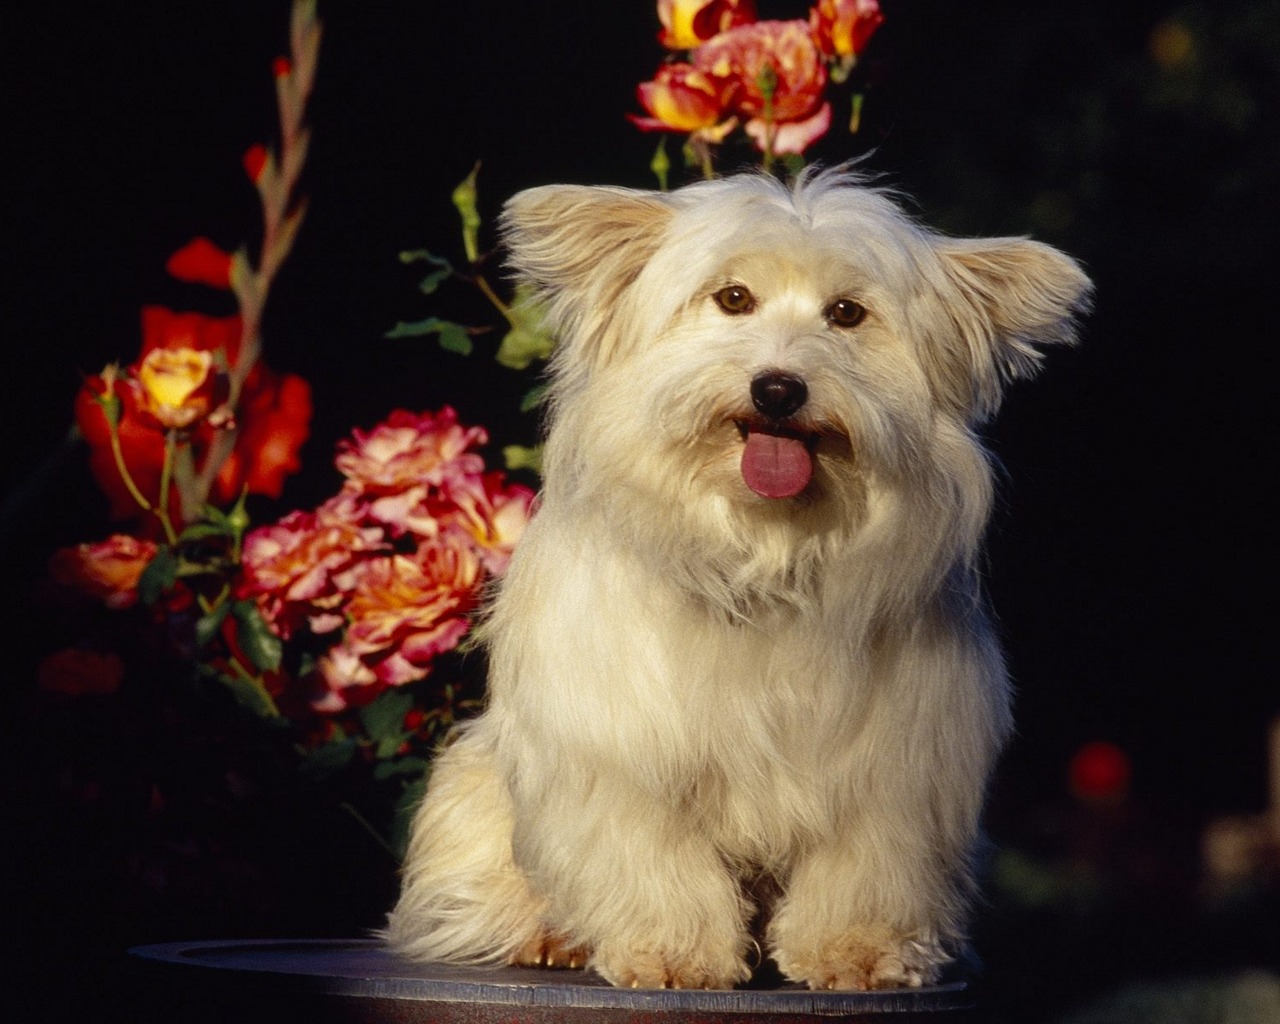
x,y
661,164
413,767
517,456
416,328
202,531
528,340
251,696
432,281
207,626
533,398
464,200
441,268
417,256
384,717
327,760
160,574
262,646
452,337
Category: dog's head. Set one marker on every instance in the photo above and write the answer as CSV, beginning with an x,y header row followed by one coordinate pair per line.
x,y
795,341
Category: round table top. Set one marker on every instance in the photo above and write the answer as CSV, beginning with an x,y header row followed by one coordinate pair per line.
x,y
362,969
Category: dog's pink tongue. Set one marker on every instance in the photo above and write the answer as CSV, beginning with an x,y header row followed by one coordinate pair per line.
x,y
775,467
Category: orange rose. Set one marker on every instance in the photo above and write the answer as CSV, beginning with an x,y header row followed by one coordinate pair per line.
x,y
273,416
301,569
687,24
842,28
682,98
108,569
404,612
175,386
782,51
201,262
273,421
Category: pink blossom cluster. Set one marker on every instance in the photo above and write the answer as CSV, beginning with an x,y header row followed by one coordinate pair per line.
x,y
392,565
770,77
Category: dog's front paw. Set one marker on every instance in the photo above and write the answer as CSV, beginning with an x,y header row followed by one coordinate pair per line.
x,y
548,949
635,968
870,957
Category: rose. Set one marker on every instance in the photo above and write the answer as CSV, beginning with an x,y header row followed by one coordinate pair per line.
x,y
405,461
770,73
688,23
683,98
201,262
108,570
774,64
175,387
273,421
405,610
489,515
301,569
842,28
272,418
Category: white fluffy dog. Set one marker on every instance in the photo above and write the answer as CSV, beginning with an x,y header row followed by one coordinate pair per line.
x,y
742,680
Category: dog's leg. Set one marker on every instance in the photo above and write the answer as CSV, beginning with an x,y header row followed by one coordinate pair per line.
x,y
843,923
882,900
636,884
462,897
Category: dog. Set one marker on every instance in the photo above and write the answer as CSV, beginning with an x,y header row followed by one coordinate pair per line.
x,y
744,692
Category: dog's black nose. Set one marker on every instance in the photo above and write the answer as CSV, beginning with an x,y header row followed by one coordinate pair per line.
x,y
778,395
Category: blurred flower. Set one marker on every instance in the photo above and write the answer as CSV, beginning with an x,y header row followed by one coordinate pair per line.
x,y
688,23
790,136
201,262
165,328
404,611
174,387
255,160
272,421
74,672
491,515
408,449
108,570
682,98
302,568
842,28
772,63
1099,772
399,464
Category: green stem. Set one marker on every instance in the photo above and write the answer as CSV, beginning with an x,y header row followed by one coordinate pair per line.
x,y
268,702
166,481
368,827
117,453
493,297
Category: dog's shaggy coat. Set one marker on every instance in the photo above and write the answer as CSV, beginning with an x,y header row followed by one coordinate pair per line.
x,y
741,672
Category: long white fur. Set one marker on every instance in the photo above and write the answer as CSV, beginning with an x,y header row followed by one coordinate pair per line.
x,y
694,688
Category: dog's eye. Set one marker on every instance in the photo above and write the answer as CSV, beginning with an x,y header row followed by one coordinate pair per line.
x,y
846,313
735,299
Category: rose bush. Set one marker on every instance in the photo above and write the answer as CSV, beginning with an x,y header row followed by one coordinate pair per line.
x,y
342,628
770,78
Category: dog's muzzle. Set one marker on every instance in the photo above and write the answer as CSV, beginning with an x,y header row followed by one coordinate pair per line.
x,y
778,395
777,457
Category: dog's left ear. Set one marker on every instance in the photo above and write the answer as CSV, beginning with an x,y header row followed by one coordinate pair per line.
x,y
581,247
1009,297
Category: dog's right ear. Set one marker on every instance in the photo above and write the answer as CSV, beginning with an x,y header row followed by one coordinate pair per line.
x,y
581,247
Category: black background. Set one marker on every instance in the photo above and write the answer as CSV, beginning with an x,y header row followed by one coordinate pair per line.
x,y
1131,556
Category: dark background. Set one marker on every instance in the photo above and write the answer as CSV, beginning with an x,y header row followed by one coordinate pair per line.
x,y
1131,556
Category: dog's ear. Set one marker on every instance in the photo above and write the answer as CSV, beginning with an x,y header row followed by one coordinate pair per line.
x,y
581,247
1007,298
